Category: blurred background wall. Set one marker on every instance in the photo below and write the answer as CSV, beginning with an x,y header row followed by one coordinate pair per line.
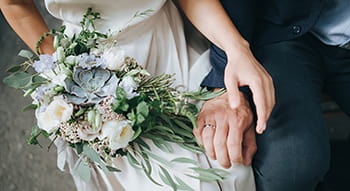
x,y
31,168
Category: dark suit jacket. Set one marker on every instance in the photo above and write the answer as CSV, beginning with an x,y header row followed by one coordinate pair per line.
x,y
262,22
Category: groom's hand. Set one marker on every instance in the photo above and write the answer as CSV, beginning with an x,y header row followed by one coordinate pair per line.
x,y
227,134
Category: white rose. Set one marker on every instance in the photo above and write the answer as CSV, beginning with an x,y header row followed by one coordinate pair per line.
x,y
119,133
56,112
114,58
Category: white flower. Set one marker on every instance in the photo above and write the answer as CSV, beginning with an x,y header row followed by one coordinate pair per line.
x,y
118,133
129,85
57,77
128,81
56,112
71,60
114,58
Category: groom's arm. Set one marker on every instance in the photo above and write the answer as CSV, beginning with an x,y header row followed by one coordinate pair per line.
x,y
26,21
242,68
234,139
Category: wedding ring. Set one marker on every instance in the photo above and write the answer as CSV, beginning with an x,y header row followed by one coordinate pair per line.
x,y
209,126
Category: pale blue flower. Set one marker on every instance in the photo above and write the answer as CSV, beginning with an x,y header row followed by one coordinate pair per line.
x,y
88,61
45,63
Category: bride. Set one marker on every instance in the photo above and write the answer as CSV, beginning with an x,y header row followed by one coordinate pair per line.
x,y
157,41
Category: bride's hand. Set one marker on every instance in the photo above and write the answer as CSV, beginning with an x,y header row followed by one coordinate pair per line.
x,y
243,69
226,134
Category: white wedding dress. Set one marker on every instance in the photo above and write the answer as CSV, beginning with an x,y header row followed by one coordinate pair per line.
x,y
157,42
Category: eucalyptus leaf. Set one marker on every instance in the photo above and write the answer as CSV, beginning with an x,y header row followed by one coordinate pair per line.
x,y
192,148
14,69
159,159
18,80
142,143
91,154
79,147
168,178
148,174
29,107
182,185
26,54
136,134
163,145
113,169
83,170
132,161
185,160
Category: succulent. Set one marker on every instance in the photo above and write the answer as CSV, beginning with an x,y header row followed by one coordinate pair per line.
x,y
90,86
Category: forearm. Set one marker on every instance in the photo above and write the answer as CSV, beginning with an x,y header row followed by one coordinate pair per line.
x,y
26,21
212,21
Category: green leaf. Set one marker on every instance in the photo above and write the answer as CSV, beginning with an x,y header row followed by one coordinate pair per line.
x,y
113,169
26,54
185,160
136,134
82,169
18,80
14,69
167,177
120,94
38,79
192,148
132,161
163,145
45,134
91,154
183,125
142,144
157,158
29,107
207,174
79,147
148,174
33,140
161,128
182,185
140,118
142,108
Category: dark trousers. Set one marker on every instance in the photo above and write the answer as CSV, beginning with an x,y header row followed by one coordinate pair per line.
x,y
293,154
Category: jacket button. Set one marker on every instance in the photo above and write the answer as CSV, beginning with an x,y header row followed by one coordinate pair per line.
x,y
296,29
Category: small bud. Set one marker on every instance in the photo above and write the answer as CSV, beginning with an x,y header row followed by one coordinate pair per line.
x,y
60,54
55,42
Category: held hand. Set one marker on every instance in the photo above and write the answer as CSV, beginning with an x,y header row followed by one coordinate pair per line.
x,y
243,69
226,133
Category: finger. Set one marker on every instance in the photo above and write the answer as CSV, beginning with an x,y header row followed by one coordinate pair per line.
x,y
220,143
249,146
234,141
197,132
260,102
208,136
232,92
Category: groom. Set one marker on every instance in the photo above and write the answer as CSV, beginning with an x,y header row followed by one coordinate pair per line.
x,y
305,47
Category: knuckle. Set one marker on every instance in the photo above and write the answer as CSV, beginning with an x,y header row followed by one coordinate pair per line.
x,y
233,145
220,143
225,164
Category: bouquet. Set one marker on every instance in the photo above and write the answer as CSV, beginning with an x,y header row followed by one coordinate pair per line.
x,y
104,105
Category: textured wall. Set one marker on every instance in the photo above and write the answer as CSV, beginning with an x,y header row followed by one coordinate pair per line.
x,y
23,166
